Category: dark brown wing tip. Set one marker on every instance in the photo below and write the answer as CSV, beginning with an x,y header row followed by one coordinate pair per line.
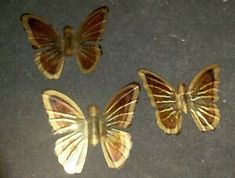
x,y
46,90
213,66
136,84
104,8
23,15
141,71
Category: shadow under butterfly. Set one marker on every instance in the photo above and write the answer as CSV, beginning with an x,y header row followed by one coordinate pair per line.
x,y
199,99
53,48
66,118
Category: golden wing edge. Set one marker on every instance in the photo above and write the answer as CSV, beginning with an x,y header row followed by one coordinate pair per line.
x,y
48,93
104,9
24,20
216,70
174,131
91,69
46,74
135,85
142,74
121,162
209,127
82,158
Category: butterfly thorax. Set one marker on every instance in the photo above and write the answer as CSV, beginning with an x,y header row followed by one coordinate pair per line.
x,y
181,98
69,41
94,125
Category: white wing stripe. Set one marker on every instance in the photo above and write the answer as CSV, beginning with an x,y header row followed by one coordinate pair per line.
x,y
159,83
118,115
198,120
111,107
204,119
206,91
123,106
62,120
166,110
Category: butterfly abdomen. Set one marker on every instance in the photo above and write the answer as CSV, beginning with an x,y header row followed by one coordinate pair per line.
x,y
69,41
181,98
93,125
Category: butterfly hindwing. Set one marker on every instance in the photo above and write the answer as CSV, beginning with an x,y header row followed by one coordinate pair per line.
x,y
49,57
163,98
89,35
118,113
116,146
66,118
203,94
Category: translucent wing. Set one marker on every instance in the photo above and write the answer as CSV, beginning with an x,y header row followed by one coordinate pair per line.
x,y
203,93
88,37
163,97
42,36
66,118
118,113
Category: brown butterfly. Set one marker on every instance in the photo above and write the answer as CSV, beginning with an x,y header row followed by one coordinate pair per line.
x,y
200,99
66,118
52,48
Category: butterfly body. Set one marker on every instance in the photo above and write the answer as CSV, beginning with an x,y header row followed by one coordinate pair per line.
x,y
181,98
199,99
52,48
94,125
69,41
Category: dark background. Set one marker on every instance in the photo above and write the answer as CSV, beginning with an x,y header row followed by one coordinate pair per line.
x,y
173,38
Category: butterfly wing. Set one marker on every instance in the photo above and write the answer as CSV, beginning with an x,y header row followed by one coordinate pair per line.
x,y
163,97
88,38
116,144
49,57
203,94
66,118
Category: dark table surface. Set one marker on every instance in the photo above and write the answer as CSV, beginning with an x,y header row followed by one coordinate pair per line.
x,y
172,38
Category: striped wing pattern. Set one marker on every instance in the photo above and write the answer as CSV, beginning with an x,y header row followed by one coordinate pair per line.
x,y
118,113
66,118
163,97
88,37
116,146
203,94
49,57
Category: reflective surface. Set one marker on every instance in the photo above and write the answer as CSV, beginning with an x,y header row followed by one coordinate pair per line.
x,y
52,48
200,99
172,38
76,131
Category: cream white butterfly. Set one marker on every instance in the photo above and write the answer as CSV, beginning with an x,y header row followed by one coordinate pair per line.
x,y
67,119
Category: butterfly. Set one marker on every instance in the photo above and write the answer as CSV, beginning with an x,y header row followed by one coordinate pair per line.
x,y
67,120
199,99
53,48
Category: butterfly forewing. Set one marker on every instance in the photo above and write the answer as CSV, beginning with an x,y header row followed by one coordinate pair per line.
x,y
163,98
88,36
66,118
202,94
42,36
118,113
120,109
40,33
